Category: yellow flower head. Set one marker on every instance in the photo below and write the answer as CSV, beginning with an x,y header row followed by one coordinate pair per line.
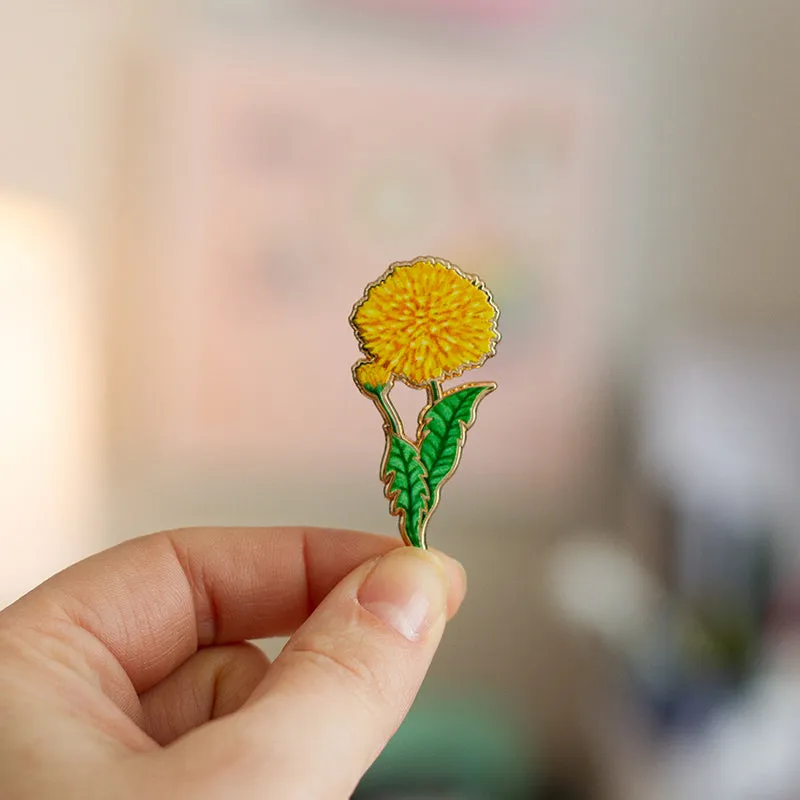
x,y
425,320
371,376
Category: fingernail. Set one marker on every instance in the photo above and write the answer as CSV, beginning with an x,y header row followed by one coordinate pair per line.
x,y
407,590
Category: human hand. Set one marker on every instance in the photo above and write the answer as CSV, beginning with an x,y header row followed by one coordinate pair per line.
x,y
129,675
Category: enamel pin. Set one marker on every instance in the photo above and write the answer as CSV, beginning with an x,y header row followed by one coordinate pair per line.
x,y
423,322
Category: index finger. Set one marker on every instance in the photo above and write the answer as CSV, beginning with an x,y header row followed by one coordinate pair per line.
x,y
153,601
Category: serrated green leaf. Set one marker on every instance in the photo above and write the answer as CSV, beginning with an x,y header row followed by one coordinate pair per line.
x,y
406,487
443,433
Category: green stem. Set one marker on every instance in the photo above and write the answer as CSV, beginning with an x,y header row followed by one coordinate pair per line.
x,y
390,414
434,391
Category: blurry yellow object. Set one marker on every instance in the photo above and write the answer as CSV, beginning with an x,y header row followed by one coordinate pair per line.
x,y
426,321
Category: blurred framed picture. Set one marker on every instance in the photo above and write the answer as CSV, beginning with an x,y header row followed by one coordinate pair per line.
x,y
287,176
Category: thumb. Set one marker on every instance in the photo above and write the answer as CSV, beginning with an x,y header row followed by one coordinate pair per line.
x,y
341,686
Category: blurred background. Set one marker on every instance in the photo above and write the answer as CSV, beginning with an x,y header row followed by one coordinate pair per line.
x,y
194,194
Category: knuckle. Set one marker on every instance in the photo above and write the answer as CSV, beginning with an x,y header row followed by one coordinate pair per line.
x,y
351,666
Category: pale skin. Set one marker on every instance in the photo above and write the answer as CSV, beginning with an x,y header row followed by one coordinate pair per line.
x,y
130,675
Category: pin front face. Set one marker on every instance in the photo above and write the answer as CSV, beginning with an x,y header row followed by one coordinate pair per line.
x,y
423,322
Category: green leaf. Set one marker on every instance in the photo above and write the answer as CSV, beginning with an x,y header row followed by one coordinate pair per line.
x,y
406,487
444,431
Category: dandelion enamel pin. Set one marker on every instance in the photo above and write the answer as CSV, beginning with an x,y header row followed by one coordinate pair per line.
x,y
423,322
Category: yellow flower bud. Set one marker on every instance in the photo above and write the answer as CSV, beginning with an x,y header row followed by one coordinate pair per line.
x,y
372,376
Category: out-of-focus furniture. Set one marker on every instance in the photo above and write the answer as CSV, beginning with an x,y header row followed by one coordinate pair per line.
x,y
463,747
720,438
719,444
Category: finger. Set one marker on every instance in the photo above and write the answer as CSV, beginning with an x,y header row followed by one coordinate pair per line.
x,y
213,683
338,690
151,602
